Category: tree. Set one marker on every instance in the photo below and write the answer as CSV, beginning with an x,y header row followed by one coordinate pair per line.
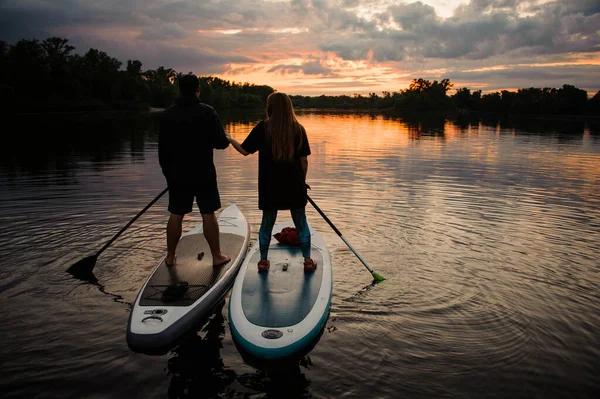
x,y
27,71
57,50
491,102
507,99
594,104
161,82
134,68
462,97
3,49
419,85
571,100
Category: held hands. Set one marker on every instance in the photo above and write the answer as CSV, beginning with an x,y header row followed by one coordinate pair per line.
x,y
233,141
236,145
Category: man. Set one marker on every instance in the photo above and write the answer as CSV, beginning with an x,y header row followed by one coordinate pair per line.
x,y
189,131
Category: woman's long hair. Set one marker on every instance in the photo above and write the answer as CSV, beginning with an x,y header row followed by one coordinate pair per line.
x,y
282,127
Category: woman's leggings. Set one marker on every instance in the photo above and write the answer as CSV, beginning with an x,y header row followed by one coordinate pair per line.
x,y
266,228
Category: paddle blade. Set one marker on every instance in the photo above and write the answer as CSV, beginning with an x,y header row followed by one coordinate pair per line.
x,y
377,278
83,268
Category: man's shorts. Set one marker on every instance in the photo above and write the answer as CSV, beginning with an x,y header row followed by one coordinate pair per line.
x,y
181,199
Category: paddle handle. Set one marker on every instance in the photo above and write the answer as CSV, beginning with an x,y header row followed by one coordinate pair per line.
x,y
357,254
338,233
324,216
131,221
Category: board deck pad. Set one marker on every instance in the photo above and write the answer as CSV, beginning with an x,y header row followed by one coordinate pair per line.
x,y
286,294
199,274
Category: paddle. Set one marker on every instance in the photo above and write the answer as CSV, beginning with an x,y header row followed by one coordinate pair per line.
x,y
376,277
83,268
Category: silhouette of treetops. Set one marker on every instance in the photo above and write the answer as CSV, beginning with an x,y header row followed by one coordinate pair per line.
x,y
425,95
47,76
223,94
568,100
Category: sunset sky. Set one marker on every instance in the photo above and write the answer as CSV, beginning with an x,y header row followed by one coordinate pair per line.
x,y
314,47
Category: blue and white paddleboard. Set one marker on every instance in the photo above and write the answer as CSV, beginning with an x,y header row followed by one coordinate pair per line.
x,y
280,313
174,300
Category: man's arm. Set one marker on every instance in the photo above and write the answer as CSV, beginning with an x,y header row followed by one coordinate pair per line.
x,y
220,142
163,150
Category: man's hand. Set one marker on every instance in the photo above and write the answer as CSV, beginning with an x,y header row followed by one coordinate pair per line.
x,y
236,145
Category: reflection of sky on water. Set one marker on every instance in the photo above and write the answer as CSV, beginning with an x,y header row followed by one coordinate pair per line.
x,y
486,232
494,182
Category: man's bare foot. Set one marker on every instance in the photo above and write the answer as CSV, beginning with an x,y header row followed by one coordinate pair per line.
x,y
170,260
221,260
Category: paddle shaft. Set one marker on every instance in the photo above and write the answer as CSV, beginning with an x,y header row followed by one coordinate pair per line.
x,y
338,233
131,221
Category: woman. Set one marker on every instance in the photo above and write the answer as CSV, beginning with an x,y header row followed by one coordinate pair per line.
x,y
282,148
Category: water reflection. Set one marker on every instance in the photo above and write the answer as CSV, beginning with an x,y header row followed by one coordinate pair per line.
x,y
198,370
486,230
57,144
62,143
197,367
93,280
594,128
288,382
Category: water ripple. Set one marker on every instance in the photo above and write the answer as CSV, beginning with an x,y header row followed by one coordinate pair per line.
x,y
487,237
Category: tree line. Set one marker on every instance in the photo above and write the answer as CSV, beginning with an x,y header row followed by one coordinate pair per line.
x,y
46,76
41,76
424,96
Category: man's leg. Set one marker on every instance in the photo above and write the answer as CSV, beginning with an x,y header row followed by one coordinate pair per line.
x,y
210,226
173,236
180,203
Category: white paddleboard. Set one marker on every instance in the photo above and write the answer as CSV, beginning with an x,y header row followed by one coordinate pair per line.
x,y
280,313
173,300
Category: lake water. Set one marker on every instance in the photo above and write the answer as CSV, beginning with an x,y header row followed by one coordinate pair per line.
x,y
488,235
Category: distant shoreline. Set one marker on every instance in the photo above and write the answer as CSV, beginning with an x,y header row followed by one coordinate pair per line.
x,y
450,113
100,111
390,112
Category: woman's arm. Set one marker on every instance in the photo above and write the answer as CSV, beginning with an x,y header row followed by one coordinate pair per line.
x,y
236,144
304,162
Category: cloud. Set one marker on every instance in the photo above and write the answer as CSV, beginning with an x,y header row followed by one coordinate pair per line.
x,y
583,76
17,17
162,31
312,37
154,54
355,50
307,68
477,30
342,84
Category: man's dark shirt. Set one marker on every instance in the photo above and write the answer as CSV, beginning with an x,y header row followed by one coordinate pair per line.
x,y
189,131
